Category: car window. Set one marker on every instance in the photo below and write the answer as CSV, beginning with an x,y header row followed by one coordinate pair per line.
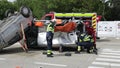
x,y
48,18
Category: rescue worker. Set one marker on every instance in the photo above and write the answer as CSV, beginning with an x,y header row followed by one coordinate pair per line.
x,y
91,31
85,41
49,37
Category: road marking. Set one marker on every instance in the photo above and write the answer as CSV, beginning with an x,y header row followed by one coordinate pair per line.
x,y
117,38
107,59
95,67
110,50
42,63
106,63
111,53
101,63
108,56
2,59
104,50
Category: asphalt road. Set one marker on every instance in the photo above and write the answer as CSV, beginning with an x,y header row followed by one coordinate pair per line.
x,y
108,57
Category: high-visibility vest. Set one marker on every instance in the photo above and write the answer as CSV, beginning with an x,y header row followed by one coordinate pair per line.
x,y
86,38
50,27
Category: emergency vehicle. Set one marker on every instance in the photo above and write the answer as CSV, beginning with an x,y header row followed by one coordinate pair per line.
x,y
65,33
12,27
91,17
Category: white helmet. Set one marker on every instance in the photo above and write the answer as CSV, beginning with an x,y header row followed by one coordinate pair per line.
x,y
53,20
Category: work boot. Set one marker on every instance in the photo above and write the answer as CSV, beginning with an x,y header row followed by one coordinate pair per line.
x,y
89,50
77,52
49,55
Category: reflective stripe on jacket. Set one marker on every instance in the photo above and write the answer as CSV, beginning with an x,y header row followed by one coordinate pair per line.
x,y
50,27
86,38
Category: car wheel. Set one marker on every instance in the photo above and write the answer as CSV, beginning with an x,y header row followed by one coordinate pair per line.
x,y
9,12
25,11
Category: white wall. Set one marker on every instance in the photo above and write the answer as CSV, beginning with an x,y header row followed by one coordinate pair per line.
x,y
108,29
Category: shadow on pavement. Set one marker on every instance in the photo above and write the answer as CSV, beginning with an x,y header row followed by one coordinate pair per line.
x,y
33,50
103,40
11,50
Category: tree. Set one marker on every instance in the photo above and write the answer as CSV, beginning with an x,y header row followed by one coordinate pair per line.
x,y
4,5
41,7
115,9
34,5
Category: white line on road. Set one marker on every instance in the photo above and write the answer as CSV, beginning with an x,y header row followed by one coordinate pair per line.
x,y
94,67
110,50
100,63
107,59
111,53
42,63
106,63
2,59
107,56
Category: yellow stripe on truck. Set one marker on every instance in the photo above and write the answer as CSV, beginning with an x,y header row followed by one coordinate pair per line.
x,y
64,14
74,14
94,21
93,15
83,14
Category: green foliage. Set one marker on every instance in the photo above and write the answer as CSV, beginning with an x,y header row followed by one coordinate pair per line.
x,y
115,10
4,5
41,7
35,5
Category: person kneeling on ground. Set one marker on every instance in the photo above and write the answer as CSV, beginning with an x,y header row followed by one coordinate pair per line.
x,y
85,41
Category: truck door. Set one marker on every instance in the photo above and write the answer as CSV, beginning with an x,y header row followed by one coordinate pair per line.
x,y
48,17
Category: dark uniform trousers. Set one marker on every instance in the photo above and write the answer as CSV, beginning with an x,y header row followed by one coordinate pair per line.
x,y
49,37
86,45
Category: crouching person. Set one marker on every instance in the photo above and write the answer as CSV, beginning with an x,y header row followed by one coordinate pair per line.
x,y
85,42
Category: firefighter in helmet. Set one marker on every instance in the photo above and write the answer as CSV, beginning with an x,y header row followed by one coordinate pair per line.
x,y
91,31
49,37
85,41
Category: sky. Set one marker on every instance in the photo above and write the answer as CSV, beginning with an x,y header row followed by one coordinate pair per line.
x,y
11,0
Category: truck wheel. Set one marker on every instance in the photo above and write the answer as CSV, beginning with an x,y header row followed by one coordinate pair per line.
x,y
25,11
9,12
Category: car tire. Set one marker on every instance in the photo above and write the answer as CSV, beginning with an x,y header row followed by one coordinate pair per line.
x,y
9,12
25,11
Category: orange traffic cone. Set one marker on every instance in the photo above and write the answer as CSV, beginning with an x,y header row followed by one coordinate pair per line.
x,y
18,67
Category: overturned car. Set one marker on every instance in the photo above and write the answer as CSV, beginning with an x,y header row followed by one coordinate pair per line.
x,y
13,26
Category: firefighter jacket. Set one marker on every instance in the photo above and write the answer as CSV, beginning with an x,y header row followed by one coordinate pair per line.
x,y
85,38
50,27
91,32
